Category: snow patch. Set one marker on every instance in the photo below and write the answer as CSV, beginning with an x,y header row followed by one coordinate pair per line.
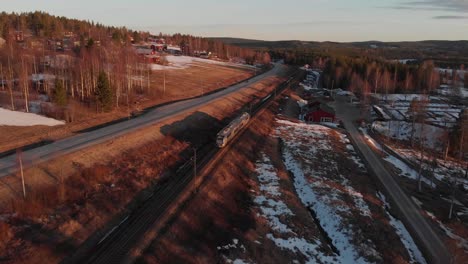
x,y
272,209
415,254
15,118
461,242
302,144
184,62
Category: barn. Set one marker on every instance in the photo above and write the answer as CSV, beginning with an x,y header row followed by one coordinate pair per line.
x,y
319,113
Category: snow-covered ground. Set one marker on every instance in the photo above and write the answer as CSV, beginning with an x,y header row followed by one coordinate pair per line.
x,y
401,130
15,118
453,91
462,242
381,112
326,175
342,92
446,170
415,254
405,97
438,113
307,87
183,62
274,210
316,187
405,170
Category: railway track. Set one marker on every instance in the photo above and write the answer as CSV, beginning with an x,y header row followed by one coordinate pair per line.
x,y
114,244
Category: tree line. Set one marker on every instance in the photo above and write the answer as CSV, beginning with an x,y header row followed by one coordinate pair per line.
x,y
363,73
102,72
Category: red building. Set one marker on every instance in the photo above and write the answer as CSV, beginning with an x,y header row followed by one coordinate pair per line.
x,y
19,36
319,112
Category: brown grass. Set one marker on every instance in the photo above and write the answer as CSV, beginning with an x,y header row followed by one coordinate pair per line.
x,y
72,196
222,210
224,199
6,234
180,84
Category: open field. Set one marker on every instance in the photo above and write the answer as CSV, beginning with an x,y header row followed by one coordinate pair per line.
x,y
193,81
104,179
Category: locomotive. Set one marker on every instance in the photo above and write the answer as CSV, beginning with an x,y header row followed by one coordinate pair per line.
x,y
225,135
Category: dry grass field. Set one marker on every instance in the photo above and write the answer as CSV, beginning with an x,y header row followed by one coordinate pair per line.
x,y
180,84
69,198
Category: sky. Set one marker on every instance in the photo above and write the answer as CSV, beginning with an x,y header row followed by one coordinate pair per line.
x,y
308,20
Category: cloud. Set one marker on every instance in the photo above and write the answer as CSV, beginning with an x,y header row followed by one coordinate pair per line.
x,y
441,5
450,17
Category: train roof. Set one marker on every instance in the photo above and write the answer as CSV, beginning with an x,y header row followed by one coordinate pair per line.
x,y
228,129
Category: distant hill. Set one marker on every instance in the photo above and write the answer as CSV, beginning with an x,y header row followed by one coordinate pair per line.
x,y
444,53
426,44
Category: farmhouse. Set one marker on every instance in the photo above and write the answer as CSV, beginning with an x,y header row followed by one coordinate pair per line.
x,y
319,112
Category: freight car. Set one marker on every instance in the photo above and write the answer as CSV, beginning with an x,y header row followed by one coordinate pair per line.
x,y
225,135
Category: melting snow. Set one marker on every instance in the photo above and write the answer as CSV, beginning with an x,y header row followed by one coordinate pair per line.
x,y
461,242
402,131
272,209
312,187
183,62
405,237
15,118
407,171
300,245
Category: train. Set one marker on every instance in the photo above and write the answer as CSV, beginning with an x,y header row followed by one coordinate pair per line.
x,y
225,135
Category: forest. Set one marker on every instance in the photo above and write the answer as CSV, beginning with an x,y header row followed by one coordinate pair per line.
x,y
71,60
362,73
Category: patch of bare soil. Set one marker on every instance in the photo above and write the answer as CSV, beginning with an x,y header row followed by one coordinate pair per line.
x,y
69,198
180,84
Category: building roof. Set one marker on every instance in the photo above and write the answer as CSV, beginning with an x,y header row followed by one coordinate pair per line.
x,y
327,108
323,107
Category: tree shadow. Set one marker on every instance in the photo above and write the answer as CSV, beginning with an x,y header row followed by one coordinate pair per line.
x,y
38,234
198,129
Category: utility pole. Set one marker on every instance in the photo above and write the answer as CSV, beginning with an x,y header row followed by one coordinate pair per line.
x,y
20,159
164,83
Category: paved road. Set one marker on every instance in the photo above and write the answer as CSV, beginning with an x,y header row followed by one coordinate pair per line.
x,y
428,241
8,164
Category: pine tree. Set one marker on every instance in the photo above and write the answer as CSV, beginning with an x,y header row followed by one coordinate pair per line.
x,y
104,92
60,93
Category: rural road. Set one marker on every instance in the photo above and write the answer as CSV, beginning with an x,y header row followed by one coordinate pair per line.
x,y
428,241
8,164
